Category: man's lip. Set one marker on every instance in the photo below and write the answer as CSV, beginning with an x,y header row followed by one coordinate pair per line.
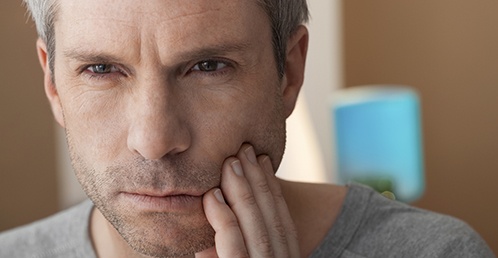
x,y
176,201
169,193
164,194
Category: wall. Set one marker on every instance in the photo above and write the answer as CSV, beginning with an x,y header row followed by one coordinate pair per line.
x,y
448,50
27,156
309,154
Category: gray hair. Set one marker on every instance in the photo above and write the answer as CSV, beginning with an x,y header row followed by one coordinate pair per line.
x,y
284,15
43,13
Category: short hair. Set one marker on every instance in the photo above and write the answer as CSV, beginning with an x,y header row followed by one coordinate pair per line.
x,y
43,14
285,16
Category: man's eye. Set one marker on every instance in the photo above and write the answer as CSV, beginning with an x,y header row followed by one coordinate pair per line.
x,y
102,68
209,66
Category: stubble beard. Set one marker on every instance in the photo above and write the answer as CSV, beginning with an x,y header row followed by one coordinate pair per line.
x,y
153,234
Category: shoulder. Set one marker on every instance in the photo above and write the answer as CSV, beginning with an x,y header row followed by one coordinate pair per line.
x,y
374,226
64,234
412,231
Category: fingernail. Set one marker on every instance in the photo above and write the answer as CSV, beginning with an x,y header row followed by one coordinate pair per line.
x,y
219,196
268,165
237,168
251,156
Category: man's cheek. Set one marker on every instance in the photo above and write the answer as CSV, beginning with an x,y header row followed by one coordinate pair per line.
x,y
100,143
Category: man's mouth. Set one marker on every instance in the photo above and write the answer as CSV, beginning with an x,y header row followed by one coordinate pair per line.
x,y
170,202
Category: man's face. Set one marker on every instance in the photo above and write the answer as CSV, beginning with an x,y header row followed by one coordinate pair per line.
x,y
154,96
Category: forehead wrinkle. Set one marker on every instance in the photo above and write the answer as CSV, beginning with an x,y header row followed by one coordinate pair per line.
x,y
116,36
188,15
110,47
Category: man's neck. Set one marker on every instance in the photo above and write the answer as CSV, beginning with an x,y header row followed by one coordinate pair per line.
x,y
314,209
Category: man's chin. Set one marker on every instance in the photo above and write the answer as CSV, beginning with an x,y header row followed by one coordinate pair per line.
x,y
182,248
166,235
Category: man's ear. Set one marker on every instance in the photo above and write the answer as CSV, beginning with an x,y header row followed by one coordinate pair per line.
x,y
48,80
297,48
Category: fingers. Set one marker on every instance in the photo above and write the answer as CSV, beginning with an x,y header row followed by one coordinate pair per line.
x,y
243,203
282,209
228,238
254,219
259,181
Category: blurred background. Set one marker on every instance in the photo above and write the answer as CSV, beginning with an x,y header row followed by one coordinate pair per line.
x,y
445,49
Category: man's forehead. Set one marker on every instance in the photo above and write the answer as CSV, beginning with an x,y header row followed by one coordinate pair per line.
x,y
165,10
171,16
182,33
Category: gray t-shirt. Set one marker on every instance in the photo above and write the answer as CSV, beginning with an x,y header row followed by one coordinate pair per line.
x,y
369,225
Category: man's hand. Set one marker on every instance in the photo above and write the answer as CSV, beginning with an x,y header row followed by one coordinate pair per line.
x,y
249,214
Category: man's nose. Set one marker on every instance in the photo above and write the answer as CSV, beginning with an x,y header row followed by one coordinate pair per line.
x,y
158,123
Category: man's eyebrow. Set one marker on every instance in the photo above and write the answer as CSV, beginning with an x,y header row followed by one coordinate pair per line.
x,y
90,56
204,52
196,53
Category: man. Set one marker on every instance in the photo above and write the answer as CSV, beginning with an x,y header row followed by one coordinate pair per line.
x,y
174,114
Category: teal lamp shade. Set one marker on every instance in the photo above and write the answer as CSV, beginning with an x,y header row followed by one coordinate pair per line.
x,y
378,139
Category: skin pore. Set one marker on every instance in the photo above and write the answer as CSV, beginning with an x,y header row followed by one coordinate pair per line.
x,y
161,102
